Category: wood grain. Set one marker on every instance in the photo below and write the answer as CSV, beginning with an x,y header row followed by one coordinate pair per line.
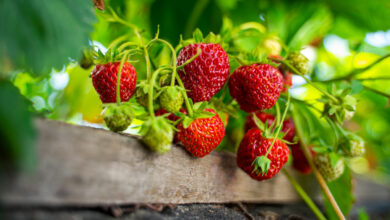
x,y
87,166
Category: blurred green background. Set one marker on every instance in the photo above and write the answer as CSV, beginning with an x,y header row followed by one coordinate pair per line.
x,y
42,41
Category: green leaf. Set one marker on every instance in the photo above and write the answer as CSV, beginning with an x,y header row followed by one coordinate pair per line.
x,y
40,35
342,191
17,132
187,121
356,86
334,158
198,35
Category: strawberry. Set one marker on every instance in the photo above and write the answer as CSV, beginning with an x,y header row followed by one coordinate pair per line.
x,y
256,87
352,145
253,146
171,98
324,166
118,116
207,73
202,135
288,125
299,62
157,133
300,162
104,79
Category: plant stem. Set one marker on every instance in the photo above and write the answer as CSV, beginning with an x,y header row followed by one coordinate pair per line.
x,y
137,33
196,12
118,80
151,87
174,60
280,125
304,77
199,51
188,106
355,72
304,196
377,91
317,174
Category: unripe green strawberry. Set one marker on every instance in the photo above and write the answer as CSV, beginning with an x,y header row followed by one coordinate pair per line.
x,y
353,145
299,62
271,45
324,166
171,99
141,97
118,116
158,133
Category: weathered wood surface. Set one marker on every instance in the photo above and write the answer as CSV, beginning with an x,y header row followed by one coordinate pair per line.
x,y
87,166
83,165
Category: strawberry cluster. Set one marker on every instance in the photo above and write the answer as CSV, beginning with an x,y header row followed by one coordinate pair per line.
x,y
179,103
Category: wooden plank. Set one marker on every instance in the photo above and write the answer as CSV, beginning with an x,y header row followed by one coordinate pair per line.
x,y
87,166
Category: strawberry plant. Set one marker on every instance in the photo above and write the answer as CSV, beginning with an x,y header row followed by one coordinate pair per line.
x,y
252,86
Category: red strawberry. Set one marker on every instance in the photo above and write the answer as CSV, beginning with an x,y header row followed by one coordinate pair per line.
x,y
205,75
300,162
104,77
288,125
203,135
256,87
255,145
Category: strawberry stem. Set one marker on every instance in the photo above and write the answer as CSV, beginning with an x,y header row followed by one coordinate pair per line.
x,y
199,51
151,87
304,196
174,58
118,80
317,174
280,125
305,78
187,102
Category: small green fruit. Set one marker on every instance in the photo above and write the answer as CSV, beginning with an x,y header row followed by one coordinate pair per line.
x,y
118,117
171,99
141,97
353,146
157,133
324,166
299,62
271,45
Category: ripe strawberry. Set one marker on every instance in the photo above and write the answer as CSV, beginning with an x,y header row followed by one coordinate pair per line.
x,y
118,117
256,87
288,125
324,166
206,74
300,162
299,62
104,77
203,134
255,145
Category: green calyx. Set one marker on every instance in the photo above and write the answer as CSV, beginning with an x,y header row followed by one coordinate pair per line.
x,y
171,98
118,116
198,112
342,110
157,133
298,61
352,145
261,165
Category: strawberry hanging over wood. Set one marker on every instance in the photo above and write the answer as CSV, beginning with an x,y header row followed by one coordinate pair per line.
x,y
201,135
256,87
251,150
300,162
207,73
104,79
